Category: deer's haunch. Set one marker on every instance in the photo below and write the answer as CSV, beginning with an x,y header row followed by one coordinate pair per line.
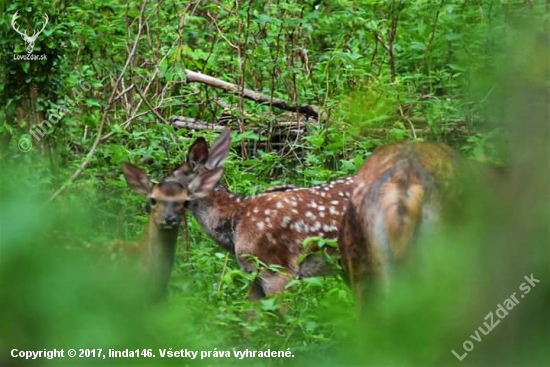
x,y
401,190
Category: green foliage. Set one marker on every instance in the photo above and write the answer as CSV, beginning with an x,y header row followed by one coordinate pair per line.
x,y
380,71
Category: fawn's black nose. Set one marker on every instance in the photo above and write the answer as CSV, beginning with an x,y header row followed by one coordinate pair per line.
x,y
170,220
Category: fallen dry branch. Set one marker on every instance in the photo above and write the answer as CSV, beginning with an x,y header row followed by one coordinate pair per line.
x,y
194,124
307,109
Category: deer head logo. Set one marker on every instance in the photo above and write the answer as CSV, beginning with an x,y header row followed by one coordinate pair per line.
x,y
29,40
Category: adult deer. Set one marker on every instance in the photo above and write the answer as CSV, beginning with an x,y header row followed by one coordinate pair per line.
x,y
165,202
401,191
271,225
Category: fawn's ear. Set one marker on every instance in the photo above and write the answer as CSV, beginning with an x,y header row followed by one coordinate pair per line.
x,y
204,183
184,174
197,153
136,179
220,149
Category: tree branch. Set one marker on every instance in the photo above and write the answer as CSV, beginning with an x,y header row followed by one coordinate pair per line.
x,y
151,108
307,109
195,124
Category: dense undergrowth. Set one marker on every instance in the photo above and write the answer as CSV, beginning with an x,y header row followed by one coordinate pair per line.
x,y
471,74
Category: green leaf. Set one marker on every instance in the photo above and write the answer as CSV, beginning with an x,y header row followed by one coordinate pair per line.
x,y
91,102
418,46
453,36
314,281
269,304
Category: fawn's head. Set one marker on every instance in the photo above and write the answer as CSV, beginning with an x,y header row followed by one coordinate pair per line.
x,y
201,160
166,200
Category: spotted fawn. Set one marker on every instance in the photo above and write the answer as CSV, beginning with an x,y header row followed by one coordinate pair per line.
x,y
271,225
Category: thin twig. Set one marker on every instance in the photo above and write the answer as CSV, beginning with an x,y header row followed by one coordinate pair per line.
x,y
408,120
220,31
105,112
151,108
123,92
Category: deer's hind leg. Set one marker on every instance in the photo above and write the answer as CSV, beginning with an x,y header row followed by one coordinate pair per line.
x,y
256,290
267,283
273,282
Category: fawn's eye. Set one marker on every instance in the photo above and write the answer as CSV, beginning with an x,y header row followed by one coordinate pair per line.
x,y
152,201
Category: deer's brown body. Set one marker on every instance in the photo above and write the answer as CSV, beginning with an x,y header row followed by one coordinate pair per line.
x,y
270,226
399,192
155,251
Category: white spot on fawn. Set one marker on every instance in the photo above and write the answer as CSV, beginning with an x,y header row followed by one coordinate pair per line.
x,y
260,225
286,221
256,210
335,202
311,215
329,228
299,226
279,205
